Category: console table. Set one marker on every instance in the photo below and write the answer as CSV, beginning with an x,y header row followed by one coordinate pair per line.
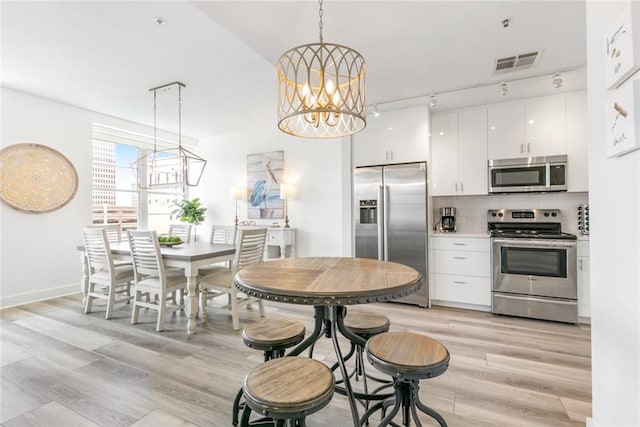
x,y
283,238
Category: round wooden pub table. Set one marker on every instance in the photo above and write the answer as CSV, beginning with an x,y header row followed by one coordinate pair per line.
x,y
329,284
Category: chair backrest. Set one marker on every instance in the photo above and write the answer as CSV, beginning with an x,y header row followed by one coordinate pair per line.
x,y
224,234
145,253
97,250
250,248
114,231
182,231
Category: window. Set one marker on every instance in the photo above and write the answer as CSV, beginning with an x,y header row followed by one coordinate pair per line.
x,y
116,198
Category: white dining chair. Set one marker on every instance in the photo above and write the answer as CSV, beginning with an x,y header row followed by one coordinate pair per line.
x,y
222,234
114,232
249,251
182,231
112,278
151,277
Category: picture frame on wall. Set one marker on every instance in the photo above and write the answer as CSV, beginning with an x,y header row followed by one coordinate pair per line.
x,y
264,176
622,119
622,46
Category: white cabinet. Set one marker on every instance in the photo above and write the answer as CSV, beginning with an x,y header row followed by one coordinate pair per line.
x,y
394,137
577,142
460,271
459,153
281,243
584,281
530,128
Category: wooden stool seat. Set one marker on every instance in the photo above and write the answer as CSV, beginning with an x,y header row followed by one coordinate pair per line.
x,y
408,358
407,355
288,388
366,323
273,334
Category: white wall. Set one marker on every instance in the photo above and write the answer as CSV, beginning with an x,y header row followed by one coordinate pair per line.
x,y
614,194
314,166
39,259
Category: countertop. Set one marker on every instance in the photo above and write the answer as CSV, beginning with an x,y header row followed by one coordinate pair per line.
x,y
460,235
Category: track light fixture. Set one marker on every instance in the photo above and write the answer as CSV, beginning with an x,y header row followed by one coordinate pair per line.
x,y
433,101
557,81
376,113
504,89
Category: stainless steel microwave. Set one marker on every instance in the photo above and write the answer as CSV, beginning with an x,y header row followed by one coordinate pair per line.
x,y
528,174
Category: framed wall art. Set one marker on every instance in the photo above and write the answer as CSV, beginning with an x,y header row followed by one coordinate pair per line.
x,y
622,119
35,178
622,46
264,175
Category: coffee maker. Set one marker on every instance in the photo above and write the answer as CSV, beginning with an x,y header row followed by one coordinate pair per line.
x,y
448,220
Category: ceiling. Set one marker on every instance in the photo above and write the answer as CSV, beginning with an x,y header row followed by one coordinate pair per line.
x,y
104,56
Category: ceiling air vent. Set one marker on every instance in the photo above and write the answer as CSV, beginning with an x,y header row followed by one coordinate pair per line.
x,y
515,63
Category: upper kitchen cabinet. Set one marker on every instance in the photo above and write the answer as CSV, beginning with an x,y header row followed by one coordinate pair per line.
x,y
531,128
394,137
576,142
459,153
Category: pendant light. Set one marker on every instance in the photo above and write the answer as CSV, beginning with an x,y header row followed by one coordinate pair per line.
x,y
172,167
321,89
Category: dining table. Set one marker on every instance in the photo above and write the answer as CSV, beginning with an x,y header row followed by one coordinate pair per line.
x,y
189,255
330,284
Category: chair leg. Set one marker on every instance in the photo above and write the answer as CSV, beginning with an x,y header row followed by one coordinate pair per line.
x,y
234,310
110,301
203,303
181,300
89,299
261,307
136,307
162,309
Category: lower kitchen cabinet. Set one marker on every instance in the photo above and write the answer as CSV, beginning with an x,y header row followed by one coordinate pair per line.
x,y
584,280
460,271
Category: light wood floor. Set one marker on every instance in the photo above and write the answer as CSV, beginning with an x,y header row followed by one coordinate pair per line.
x,y
61,367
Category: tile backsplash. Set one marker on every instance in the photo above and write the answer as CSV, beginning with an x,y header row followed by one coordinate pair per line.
x,y
472,210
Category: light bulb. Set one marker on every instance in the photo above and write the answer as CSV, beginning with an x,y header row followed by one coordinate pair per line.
x,y
504,89
376,113
433,101
330,86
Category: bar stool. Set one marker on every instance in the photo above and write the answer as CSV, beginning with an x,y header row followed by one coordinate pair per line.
x,y
408,358
287,389
365,324
273,337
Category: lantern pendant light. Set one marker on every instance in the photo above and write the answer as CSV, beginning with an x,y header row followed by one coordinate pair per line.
x,y
321,89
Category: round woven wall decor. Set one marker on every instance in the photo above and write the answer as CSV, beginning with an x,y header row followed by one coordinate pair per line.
x,y
35,178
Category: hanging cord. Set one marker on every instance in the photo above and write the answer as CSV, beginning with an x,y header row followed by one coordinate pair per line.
x,y
155,119
179,116
321,12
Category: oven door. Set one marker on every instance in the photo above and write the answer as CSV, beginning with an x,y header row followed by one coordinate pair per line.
x,y
538,267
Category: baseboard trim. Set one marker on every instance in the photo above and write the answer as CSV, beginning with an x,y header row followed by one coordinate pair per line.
x,y
585,320
29,297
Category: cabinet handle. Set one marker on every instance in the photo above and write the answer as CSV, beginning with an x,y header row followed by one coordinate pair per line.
x,y
456,186
521,148
459,257
461,187
528,147
459,282
459,244
391,154
386,155
580,265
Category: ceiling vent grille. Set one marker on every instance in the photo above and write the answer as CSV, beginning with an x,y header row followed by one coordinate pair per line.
x,y
515,63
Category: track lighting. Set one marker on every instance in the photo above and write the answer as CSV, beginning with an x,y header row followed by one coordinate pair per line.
x,y
376,113
557,81
504,89
433,101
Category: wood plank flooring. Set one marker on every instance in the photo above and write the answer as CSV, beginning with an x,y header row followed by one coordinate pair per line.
x,y
60,367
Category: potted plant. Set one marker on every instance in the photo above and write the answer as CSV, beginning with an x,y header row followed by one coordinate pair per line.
x,y
190,211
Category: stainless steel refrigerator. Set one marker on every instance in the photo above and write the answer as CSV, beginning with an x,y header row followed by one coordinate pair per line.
x,y
391,218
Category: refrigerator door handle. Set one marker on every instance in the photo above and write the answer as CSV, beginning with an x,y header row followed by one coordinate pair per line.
x,y
381,218
385,220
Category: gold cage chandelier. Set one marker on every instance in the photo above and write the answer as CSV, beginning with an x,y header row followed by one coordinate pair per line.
x,y
321,88
171,167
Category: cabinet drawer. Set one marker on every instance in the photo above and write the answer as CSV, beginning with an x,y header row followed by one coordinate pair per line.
x,y
274,238
461,263
461,289
583,248
479,244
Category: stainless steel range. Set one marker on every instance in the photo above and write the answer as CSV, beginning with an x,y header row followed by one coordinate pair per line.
x,y
533,265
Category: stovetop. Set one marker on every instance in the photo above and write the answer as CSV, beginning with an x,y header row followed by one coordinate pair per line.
x,y
526,224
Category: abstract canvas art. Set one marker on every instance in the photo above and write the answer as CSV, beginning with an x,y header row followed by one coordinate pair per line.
x,y
264,175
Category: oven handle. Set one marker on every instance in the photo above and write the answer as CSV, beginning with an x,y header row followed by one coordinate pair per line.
x,y
549,243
